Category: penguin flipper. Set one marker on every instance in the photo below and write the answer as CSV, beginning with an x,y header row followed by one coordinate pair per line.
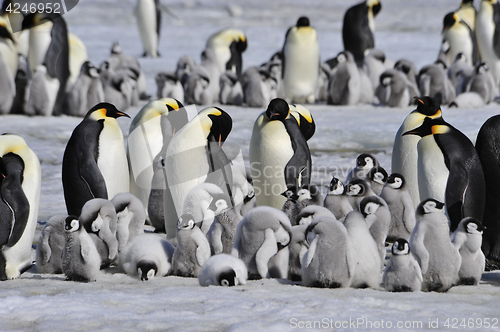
x,y
418,271
85,249
91,175
45,249
268,249
216,238
312,251
202,246
418,248
455,194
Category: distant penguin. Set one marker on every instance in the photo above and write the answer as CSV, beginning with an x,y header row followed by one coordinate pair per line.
x,y
330,261
94,162
458,37
402,273
263,235
359,28
192,250
404,151
482,82
393,89
430,243
488,38
210,65
336,199
374,65
398,199
168,85
367,258
298,247
467,240
197,88
50,246
42,93
279,148
376,178
356,191
364,163
223,270
433,82
199,203
185,65
7,86
147,256
148,16
378,219
228,46
344,87
80,259
449,168
21,82
260,88
231,92
77,57
460,73
20,183
410,70
222,232
78,99
301,62
325,73
131,218
8,47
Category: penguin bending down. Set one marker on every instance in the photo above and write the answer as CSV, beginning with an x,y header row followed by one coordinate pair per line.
x,y
402,273
94,162
20,181
228,45
50,246
223,270
131,218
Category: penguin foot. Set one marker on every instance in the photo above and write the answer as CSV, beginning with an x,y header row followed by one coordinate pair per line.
x,y
491,265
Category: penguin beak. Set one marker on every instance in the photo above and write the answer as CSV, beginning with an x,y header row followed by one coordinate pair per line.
x,y
122,114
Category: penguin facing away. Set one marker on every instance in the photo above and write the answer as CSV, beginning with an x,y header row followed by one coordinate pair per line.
x,y
50,246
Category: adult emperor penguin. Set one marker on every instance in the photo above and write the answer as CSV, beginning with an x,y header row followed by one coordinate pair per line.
x,y
228,45
279,154
148,16
223,270
50,246
194,155
458,37
467,240
431,245
80,259
301,62
467,13
450,169
20,182
7,86
359,28
402,273
94,162
131,218
147,256
488,149
8,46
404,151
488,38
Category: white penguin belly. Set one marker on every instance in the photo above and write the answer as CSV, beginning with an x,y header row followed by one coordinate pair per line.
x,y
460,42
39,42
485,29
9,54
146,21
432,170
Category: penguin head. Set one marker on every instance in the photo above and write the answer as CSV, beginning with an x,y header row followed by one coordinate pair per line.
x,y
186,222
278,109
375,5
303,194
356,187
303,21
5,33
370,205
220,124
400,247
336,187
220,203
304,119
227,278
34,19
449,21
481,68
146,269
89,69
104,110
377,174
289,193
473,226
429,205
116,48
366,160
461,57
396,181
71,224
428,106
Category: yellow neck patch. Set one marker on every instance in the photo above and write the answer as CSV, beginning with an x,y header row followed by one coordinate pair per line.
x,y
440,129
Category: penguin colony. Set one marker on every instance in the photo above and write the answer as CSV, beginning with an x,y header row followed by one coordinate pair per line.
x,y
218,227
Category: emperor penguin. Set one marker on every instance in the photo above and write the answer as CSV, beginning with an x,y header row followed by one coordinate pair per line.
x,y
42,93
147,256
367,258
80,259
467,13
298,247
7,86
376,179
168,85
131,218
223,270
378,219
301,62
359,28
394,89
467,240
100,220
356,191
434,82
150,132
185,65
228,46
194,155
192,250
20,183
304,197
94,162
330,261
8,46
374,64
80,97
430,243
336,199
400,204
402,273
231,92
458,37
77,57
344,87
460,73
364,164
148,15
50,246
222,232
279,154
261,240
449,167
488,38
197,89
404,151
482,82
488,150
410,70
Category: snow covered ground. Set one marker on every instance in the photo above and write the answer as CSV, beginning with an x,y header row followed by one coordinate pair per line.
x,y
409,29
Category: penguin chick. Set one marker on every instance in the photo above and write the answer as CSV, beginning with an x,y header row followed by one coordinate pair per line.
x,y
168,85
367,258
401,206
80,259
356,190
50,246
192,249
305,196
261,235
433,82
231,92
336,200
131,218
223,230
430,243
344,87
312,212
223,270
402,273
147,256
330,260
378,219
467,239
364,163
298,247
376,178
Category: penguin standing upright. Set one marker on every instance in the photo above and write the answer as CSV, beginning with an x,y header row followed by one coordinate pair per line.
x,y
279,154
20,180
359,28
148,16
94,162
488,36
449,168
301,62
458,37
8,46
467,13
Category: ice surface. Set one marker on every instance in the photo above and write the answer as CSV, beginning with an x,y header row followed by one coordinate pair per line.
x,y
409,29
